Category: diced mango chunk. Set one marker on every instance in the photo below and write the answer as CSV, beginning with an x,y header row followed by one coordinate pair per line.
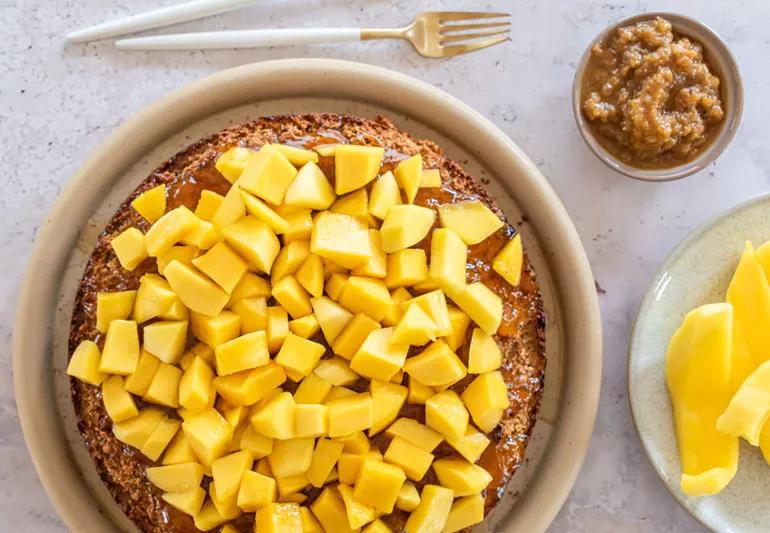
x,y
482,305
228,471
376,267
277,418
432,513
292,297
347,415
413,460
209,435
406,268
169,230
312,420
379,357
355,166
153,298
329,508
414,432
310,189
196,291
331,316
355,204
291,457
223,265
311,275
384,195
325,456
471,445
465,512
166,339
151,204
195,385
254,240
278,518
182,477
118,402
436,366
472,221
341,238
189,502
415,327
208,518
242,353
409,175
129,248
135,431
231,163
447,260
408,497
215,330
348,342
418,393
509,260
253,313
277,327
268,174
431,178
484,354
259,209
113,306
387,398
446,413
378,484
405,226
359,514
164,387
208,203
462,477
256,491
486,397
120,354
84,363
299,355
366,295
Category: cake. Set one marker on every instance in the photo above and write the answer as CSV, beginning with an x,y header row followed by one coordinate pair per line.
x,y
520,335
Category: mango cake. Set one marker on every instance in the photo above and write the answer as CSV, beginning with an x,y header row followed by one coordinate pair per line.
x,y
307,323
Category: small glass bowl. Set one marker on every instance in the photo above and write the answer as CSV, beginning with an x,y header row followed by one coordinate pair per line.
x,y
720,59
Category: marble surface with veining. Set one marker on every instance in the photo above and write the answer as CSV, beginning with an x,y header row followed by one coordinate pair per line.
x,y
58,102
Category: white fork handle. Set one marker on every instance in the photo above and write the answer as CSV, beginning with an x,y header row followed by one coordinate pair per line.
x,y
241,39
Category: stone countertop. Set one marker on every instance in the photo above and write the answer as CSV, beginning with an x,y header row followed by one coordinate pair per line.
x,y
58,102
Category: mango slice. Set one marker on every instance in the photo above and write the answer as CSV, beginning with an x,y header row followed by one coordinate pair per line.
x,y
698,374
749,407
749,294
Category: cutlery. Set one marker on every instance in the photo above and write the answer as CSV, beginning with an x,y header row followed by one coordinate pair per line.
x,y
433,34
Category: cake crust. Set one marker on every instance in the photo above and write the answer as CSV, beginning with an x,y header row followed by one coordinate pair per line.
x,y
521,336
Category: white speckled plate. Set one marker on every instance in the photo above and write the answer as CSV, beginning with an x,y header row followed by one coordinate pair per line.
x,y
696,272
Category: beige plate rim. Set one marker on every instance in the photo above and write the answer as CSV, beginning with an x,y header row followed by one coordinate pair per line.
x,y
557,237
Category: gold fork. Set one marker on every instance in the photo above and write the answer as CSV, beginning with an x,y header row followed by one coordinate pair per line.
x,y
433,34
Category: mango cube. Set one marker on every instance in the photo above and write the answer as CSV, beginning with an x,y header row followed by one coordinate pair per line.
x,y
268,174
311,275
297,156
482,305
415,327
413,460
331,316
129,248
299,355
209,435
355,166
254,240
486,397
305,327
84,363
384,195
436,366
189,502
309,522
153,298
310,189
434,303
250,286
379,357
249,386
471,445
215,330
166,339
378,484
113,306
405,226
118,403
253,313
135,431
406,268
120,354
352,337
463,477
339,392
262,211
291,457
472,221
169,230
277,327
465,512
227,507
341,238
409,176
196,291
164,387
195,385
335,284
183,253
231,163
291,486
329,508
228,471
312,420
484,354
242,353
336,371
347,415
432,513
447,260
208,517
366,295
222,265
231,209
509,260
418,393
325,456
300,227
208,203
182,477
387,398
176,311
277,418
354,204
289,259
408,497
431,178
256,491
259,445
278,518
376,267
359,514
415,433
292,297
202,236
459,322
446,413
312,389
151,204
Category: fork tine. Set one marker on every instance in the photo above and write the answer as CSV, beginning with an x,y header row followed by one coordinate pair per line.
x,y
445,28
467,15
468,36
449,51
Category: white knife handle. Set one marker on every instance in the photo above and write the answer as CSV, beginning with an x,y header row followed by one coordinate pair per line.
x,y
241,39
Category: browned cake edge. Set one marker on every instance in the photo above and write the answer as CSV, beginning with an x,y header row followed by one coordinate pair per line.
x,y
121,467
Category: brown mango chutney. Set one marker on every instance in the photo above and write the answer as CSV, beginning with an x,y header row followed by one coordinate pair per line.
x,y
650,96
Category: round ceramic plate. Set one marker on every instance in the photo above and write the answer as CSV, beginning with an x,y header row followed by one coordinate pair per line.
x,y
573,335
697,272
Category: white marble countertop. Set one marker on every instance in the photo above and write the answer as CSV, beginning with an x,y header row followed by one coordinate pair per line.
x,y
59,102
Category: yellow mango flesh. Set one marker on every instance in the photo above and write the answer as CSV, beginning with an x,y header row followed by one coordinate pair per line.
x,y
129,248
749,294
379,357
749,408
196,291
84,363
384,195
151,204
355,166
409,176
432,513
310,189
698,369
268,175
113,306
473,221
405,226
508,262
341,238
